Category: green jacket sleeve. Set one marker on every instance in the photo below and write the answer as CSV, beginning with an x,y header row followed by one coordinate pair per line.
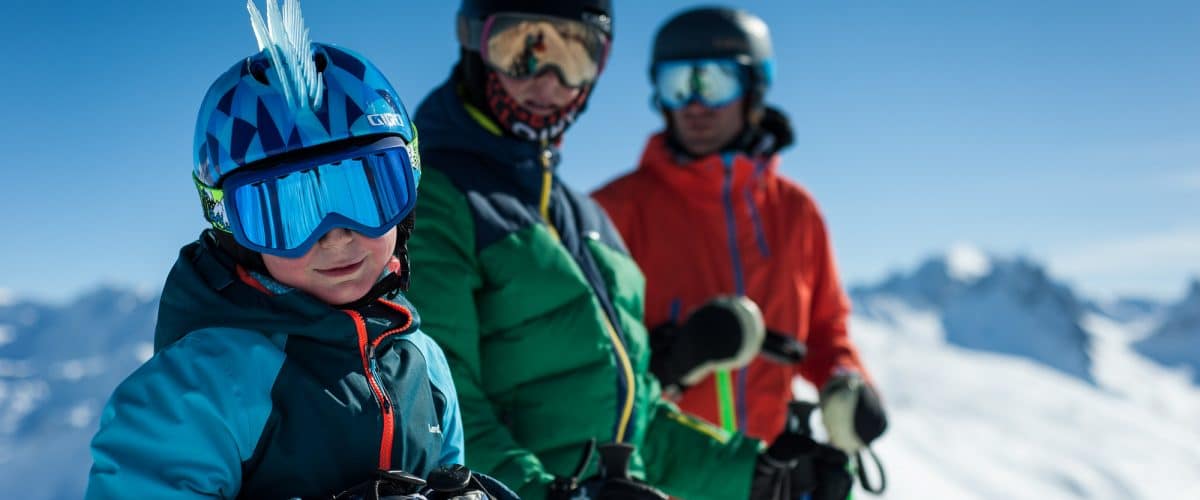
x,y
445,279
690,458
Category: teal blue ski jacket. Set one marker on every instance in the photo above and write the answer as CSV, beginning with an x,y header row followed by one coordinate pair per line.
x,y
257,390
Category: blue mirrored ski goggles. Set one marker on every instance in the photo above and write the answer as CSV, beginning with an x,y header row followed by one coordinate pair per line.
x,y
712,82
284,209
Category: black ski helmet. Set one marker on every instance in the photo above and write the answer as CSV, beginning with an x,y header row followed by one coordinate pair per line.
x,y
719,33
472,13
471,72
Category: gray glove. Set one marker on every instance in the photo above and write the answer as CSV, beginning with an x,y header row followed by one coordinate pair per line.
x,y
852,412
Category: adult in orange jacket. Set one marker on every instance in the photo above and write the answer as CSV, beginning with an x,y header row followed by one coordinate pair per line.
x,y
707,214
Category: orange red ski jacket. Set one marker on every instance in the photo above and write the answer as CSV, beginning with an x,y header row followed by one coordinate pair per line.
x,y
730,224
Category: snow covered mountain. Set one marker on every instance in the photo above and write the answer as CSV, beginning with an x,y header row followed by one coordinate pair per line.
x,y
58,365
1129,309
1176,341
1007,306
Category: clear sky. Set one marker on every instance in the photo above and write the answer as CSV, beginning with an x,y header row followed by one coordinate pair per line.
x,y
1068,131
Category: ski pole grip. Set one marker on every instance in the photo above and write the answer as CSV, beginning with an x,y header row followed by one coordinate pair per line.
x,y
799,414
614,460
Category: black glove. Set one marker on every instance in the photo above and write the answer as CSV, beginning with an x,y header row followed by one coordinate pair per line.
x,y
795,464
723,334
451,482
775,476
852,412
829,476
456,482
612,483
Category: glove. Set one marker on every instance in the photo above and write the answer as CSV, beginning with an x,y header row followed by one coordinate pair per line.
x,y
775,470
723,334
456,482
450,482
612,483
852,412
795,464
826,475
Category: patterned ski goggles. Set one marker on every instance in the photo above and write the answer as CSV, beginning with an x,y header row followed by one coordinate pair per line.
x,y
524,46
712,82
284,209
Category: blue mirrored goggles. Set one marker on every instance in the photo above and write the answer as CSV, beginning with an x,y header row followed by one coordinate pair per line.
x,y
711,82
284,209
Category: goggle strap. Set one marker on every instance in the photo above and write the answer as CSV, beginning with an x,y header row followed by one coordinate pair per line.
x,y
212,201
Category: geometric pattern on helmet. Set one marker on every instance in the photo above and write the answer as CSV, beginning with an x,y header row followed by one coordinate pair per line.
x,y
245,116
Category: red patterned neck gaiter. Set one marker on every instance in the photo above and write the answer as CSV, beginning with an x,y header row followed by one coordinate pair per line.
x,y
524,124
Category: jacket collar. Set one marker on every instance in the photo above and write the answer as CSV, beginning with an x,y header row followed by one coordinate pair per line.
x,y
206,289
708,177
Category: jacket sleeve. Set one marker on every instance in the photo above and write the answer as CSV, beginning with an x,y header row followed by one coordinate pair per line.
x,y
690,458
181,426
451,419
829,347
446,277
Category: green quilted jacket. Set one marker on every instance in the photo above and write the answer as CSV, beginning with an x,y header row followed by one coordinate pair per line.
x,y
531,294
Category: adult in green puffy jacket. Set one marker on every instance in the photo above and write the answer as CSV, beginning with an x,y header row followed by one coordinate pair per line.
x,y
528,288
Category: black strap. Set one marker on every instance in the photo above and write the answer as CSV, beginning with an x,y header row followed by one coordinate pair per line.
x,y
862,472
783,348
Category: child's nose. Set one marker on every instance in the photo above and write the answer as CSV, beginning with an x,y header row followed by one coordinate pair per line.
x,y
336,237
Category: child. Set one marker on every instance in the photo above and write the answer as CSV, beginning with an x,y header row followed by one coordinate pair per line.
x,y
287,362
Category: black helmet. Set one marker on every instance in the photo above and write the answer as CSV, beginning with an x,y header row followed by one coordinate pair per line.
x,y
472,13
718,33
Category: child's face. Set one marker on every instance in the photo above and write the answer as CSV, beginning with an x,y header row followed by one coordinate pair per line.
x,y
340,268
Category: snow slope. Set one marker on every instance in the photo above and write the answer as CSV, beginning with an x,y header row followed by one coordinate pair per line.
x,y
967,424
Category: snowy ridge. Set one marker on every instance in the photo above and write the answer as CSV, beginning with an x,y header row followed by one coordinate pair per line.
x,y
1176,341
967,263
1008,306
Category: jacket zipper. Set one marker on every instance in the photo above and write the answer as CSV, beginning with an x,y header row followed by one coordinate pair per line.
x,y
626,411
547,184
366,350
731,403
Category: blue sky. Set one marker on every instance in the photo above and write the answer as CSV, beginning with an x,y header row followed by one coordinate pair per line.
x,y
1068,131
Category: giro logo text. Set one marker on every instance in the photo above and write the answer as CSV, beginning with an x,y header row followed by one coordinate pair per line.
x,y
385,120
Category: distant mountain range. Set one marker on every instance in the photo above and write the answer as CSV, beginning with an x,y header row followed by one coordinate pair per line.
x,y
1008,306
58,365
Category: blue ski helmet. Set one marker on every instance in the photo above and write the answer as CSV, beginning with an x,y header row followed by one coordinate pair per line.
x,y
249,114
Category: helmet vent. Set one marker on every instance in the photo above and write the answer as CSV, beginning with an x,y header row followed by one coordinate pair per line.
x,y
320,61
258,69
